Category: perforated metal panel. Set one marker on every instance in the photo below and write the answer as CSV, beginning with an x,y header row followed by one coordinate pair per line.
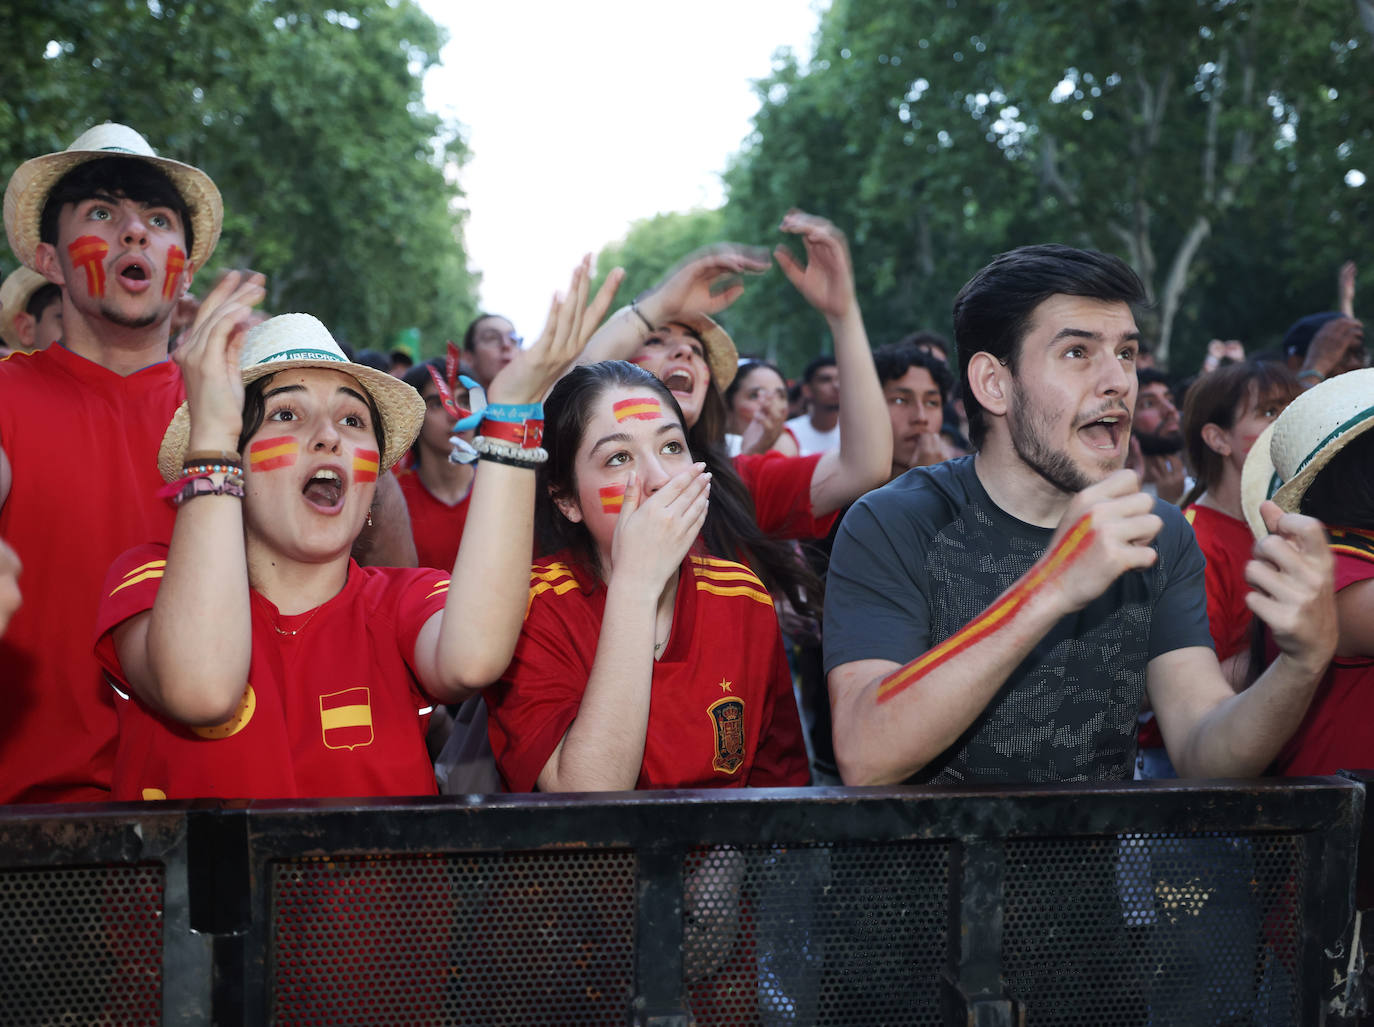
x,y
81,946
1157,928
842,934
521,938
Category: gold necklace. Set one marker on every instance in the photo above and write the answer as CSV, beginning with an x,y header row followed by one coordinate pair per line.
x,y
280,631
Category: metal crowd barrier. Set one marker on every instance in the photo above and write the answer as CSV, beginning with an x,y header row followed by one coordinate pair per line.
x,y
1153,903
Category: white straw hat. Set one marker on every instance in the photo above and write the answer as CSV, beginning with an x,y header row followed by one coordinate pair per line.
x,y
299,340
1292,451
33,180
15,293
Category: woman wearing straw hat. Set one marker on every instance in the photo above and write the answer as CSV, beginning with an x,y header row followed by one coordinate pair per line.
x,y
263,662
1318,459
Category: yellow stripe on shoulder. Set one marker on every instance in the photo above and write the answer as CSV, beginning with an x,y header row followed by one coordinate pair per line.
x,y
146,567
725,570
549,571
439,586
1189,514
745,591
146,575
558,588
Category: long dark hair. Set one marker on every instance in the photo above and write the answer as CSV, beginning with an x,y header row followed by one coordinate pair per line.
x,y
731,530
1216,398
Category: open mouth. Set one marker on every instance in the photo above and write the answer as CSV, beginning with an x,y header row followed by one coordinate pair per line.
x,y
679,380
134,273
1104,433
325,489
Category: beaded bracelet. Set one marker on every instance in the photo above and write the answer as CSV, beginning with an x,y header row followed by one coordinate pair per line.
x,y
486,446
496,458
192,468
192,486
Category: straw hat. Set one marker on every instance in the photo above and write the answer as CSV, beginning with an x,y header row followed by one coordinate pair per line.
x,y
721,355
289,341
1313,429
15,293
33,180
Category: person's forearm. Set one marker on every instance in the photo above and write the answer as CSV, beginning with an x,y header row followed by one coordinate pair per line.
x,y
617,339
1241,736
604,746
200,633
490,585
864,456
890,726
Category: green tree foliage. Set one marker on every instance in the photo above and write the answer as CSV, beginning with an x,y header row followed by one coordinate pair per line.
x,y
307,115
653,245
1208,142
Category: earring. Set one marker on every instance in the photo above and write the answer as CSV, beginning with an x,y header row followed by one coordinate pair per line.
x,y
369,518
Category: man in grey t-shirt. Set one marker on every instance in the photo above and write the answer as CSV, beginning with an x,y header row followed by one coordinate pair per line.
x,y
1001,617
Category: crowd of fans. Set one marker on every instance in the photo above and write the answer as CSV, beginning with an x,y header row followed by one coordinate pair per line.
x,y
616,557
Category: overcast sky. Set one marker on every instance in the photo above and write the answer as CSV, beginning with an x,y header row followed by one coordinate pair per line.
x,y
584,117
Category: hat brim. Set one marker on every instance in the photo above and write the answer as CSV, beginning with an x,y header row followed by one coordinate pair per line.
x,y
32,181
400,406
1259,479
15,293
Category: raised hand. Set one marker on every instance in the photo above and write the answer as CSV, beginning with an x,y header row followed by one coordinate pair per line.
x,y
209,359
764,428
705,282
1291,577
827,281
571,322
1345,288
653,534
1105,532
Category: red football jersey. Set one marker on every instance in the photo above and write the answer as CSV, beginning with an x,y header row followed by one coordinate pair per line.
x,y
331,707
436,527
82,442
781,487
722,714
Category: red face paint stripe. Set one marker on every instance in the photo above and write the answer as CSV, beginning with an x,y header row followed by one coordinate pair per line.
x,y
271,454
1070,547
645,409
365,465
612,497
88,253
176,264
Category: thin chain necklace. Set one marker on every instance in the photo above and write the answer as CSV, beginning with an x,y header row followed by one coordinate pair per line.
x,y
281,631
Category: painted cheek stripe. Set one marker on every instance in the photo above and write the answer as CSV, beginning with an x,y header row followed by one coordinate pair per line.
x,y
176,264
1070,548
271,454
365,465
88,253
612,498
645,409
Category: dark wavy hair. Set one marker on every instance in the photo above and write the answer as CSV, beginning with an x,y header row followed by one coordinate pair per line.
x,y
128,177
731,530
1216,398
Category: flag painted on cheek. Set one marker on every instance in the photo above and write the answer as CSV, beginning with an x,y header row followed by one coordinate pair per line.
x,y
88,253
644,408
612,498
176,264
1073,545
272,454
365,464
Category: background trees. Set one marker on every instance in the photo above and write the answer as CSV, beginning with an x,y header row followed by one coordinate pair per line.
x,y
307,115
1214,144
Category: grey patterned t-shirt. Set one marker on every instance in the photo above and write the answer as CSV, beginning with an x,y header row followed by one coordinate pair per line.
x,y
918,559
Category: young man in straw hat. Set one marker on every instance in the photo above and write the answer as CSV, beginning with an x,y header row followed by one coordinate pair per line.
x,y
1318,458
121,231
30,311
1000,617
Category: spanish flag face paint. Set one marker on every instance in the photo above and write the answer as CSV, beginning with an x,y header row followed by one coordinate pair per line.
x,y
637,408
88,253
612,498
273,454
365,465
176,264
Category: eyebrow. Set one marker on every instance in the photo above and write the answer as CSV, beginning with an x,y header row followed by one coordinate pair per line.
x,y
1083,333
301,388
621,436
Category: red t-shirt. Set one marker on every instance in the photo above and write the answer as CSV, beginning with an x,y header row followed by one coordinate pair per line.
x,y
436,526
781,487
722,714
82,443
1227,544
333,710
1338,731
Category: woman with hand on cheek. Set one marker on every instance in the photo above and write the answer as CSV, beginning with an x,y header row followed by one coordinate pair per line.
x,y
262,662
641,664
